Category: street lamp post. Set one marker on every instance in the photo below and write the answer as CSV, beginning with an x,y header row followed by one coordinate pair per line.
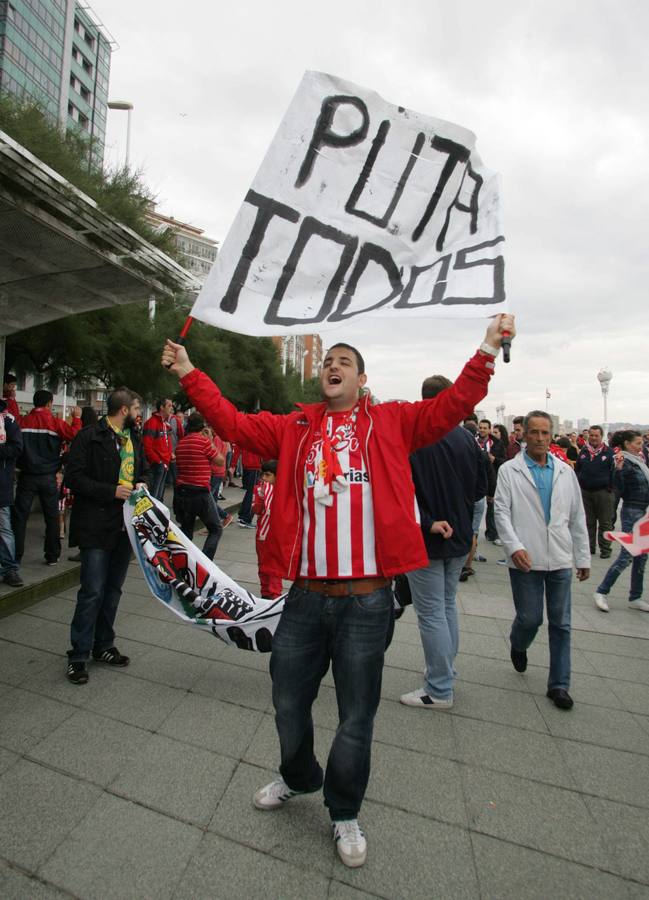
x,y
604,377
305,353
128,106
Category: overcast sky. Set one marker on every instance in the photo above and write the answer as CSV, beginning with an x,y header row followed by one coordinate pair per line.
x,y
556,92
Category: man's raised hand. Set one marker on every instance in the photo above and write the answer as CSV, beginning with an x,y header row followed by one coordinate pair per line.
x,y
499,324
175,358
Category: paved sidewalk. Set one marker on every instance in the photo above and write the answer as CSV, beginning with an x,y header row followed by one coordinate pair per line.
x,y
139,784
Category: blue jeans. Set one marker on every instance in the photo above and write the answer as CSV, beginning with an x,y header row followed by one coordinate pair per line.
x,y
248,481
629,516
7,543
433,592
102,576
528,589
215,488
158,480
478,513
352,634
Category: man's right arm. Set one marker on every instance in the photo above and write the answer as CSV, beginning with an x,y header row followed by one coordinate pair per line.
x,y
503,513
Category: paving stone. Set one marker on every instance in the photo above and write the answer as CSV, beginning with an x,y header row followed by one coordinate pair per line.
x,y
625,668
50,681
35,633
224,869
596,725
146,630
340,891
528,754
55,609
236,684
90,746
26,718
477,624
633,697
175,778
535,815
212,724
195,641
614,774
485,645
16,885
132,700
506,870
494,672
7,759
179,670
299,832
411,856
39,807
18,662
591,689
607,643
417,782
429,731
493,704
627,835
122,850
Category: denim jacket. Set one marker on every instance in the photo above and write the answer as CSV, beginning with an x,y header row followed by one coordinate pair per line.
x,y
631,485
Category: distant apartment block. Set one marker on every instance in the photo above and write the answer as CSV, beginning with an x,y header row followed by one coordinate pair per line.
x,y
198,250
301,352
57,53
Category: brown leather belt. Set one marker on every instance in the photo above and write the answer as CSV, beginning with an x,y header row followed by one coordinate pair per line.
x,y
342,587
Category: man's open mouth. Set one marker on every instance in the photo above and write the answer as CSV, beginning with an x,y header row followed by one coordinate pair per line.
x,y
334,379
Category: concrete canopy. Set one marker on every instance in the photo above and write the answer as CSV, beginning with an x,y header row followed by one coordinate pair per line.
x,y
60,254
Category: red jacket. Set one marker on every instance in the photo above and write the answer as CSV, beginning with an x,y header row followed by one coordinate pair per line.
x,y
156,436
249,459
389,433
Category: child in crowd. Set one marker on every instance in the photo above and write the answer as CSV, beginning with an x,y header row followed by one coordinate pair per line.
x,y
271,585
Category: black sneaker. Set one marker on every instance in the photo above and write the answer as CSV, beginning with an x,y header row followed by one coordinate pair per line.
x,y
13,579
561,698
519,659
77,672
112,656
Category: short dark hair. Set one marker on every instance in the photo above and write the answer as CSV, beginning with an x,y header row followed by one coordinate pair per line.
x,y
161,402
563,442
488,421
434,385
471,426
195,422
42,398
123,396
360,362
597,428
10,378
519,420
88,416
269,465
536,414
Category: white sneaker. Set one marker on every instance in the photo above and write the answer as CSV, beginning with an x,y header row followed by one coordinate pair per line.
x,y
639,604
423,700
498,542
274,795
601,602
350,842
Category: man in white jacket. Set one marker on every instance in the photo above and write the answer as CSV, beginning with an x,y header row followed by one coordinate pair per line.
x,y
541,522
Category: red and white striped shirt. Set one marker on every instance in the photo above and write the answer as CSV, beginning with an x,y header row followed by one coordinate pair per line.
x,y
338,540
261,507
193,455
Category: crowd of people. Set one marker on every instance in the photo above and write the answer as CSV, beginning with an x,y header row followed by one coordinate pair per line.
x,y
350,499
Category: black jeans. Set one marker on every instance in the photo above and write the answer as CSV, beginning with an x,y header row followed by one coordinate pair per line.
x,y
102,576
190,502
352,634
29,486
491,532
248,481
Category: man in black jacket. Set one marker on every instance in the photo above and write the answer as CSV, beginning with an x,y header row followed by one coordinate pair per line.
x,y
594,469
106,460
449,476
11,445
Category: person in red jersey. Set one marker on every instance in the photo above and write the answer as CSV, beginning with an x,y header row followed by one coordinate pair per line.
x,y
344,524
193,495
271,585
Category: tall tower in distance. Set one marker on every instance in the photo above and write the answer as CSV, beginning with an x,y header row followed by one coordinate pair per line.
x,y
57,53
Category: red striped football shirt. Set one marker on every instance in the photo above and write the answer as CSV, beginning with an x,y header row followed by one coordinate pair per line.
x,y
193,455
338,540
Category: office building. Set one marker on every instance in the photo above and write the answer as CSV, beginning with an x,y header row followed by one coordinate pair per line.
x,y
300,352
57,53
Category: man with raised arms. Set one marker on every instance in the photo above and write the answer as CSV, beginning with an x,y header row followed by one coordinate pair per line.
x,y
346,504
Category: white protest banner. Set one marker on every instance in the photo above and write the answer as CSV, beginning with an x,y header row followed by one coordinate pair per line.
x,y
635,543
359,208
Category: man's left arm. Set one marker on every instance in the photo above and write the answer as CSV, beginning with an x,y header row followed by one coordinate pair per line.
x,y
13,446
426,421
68,432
